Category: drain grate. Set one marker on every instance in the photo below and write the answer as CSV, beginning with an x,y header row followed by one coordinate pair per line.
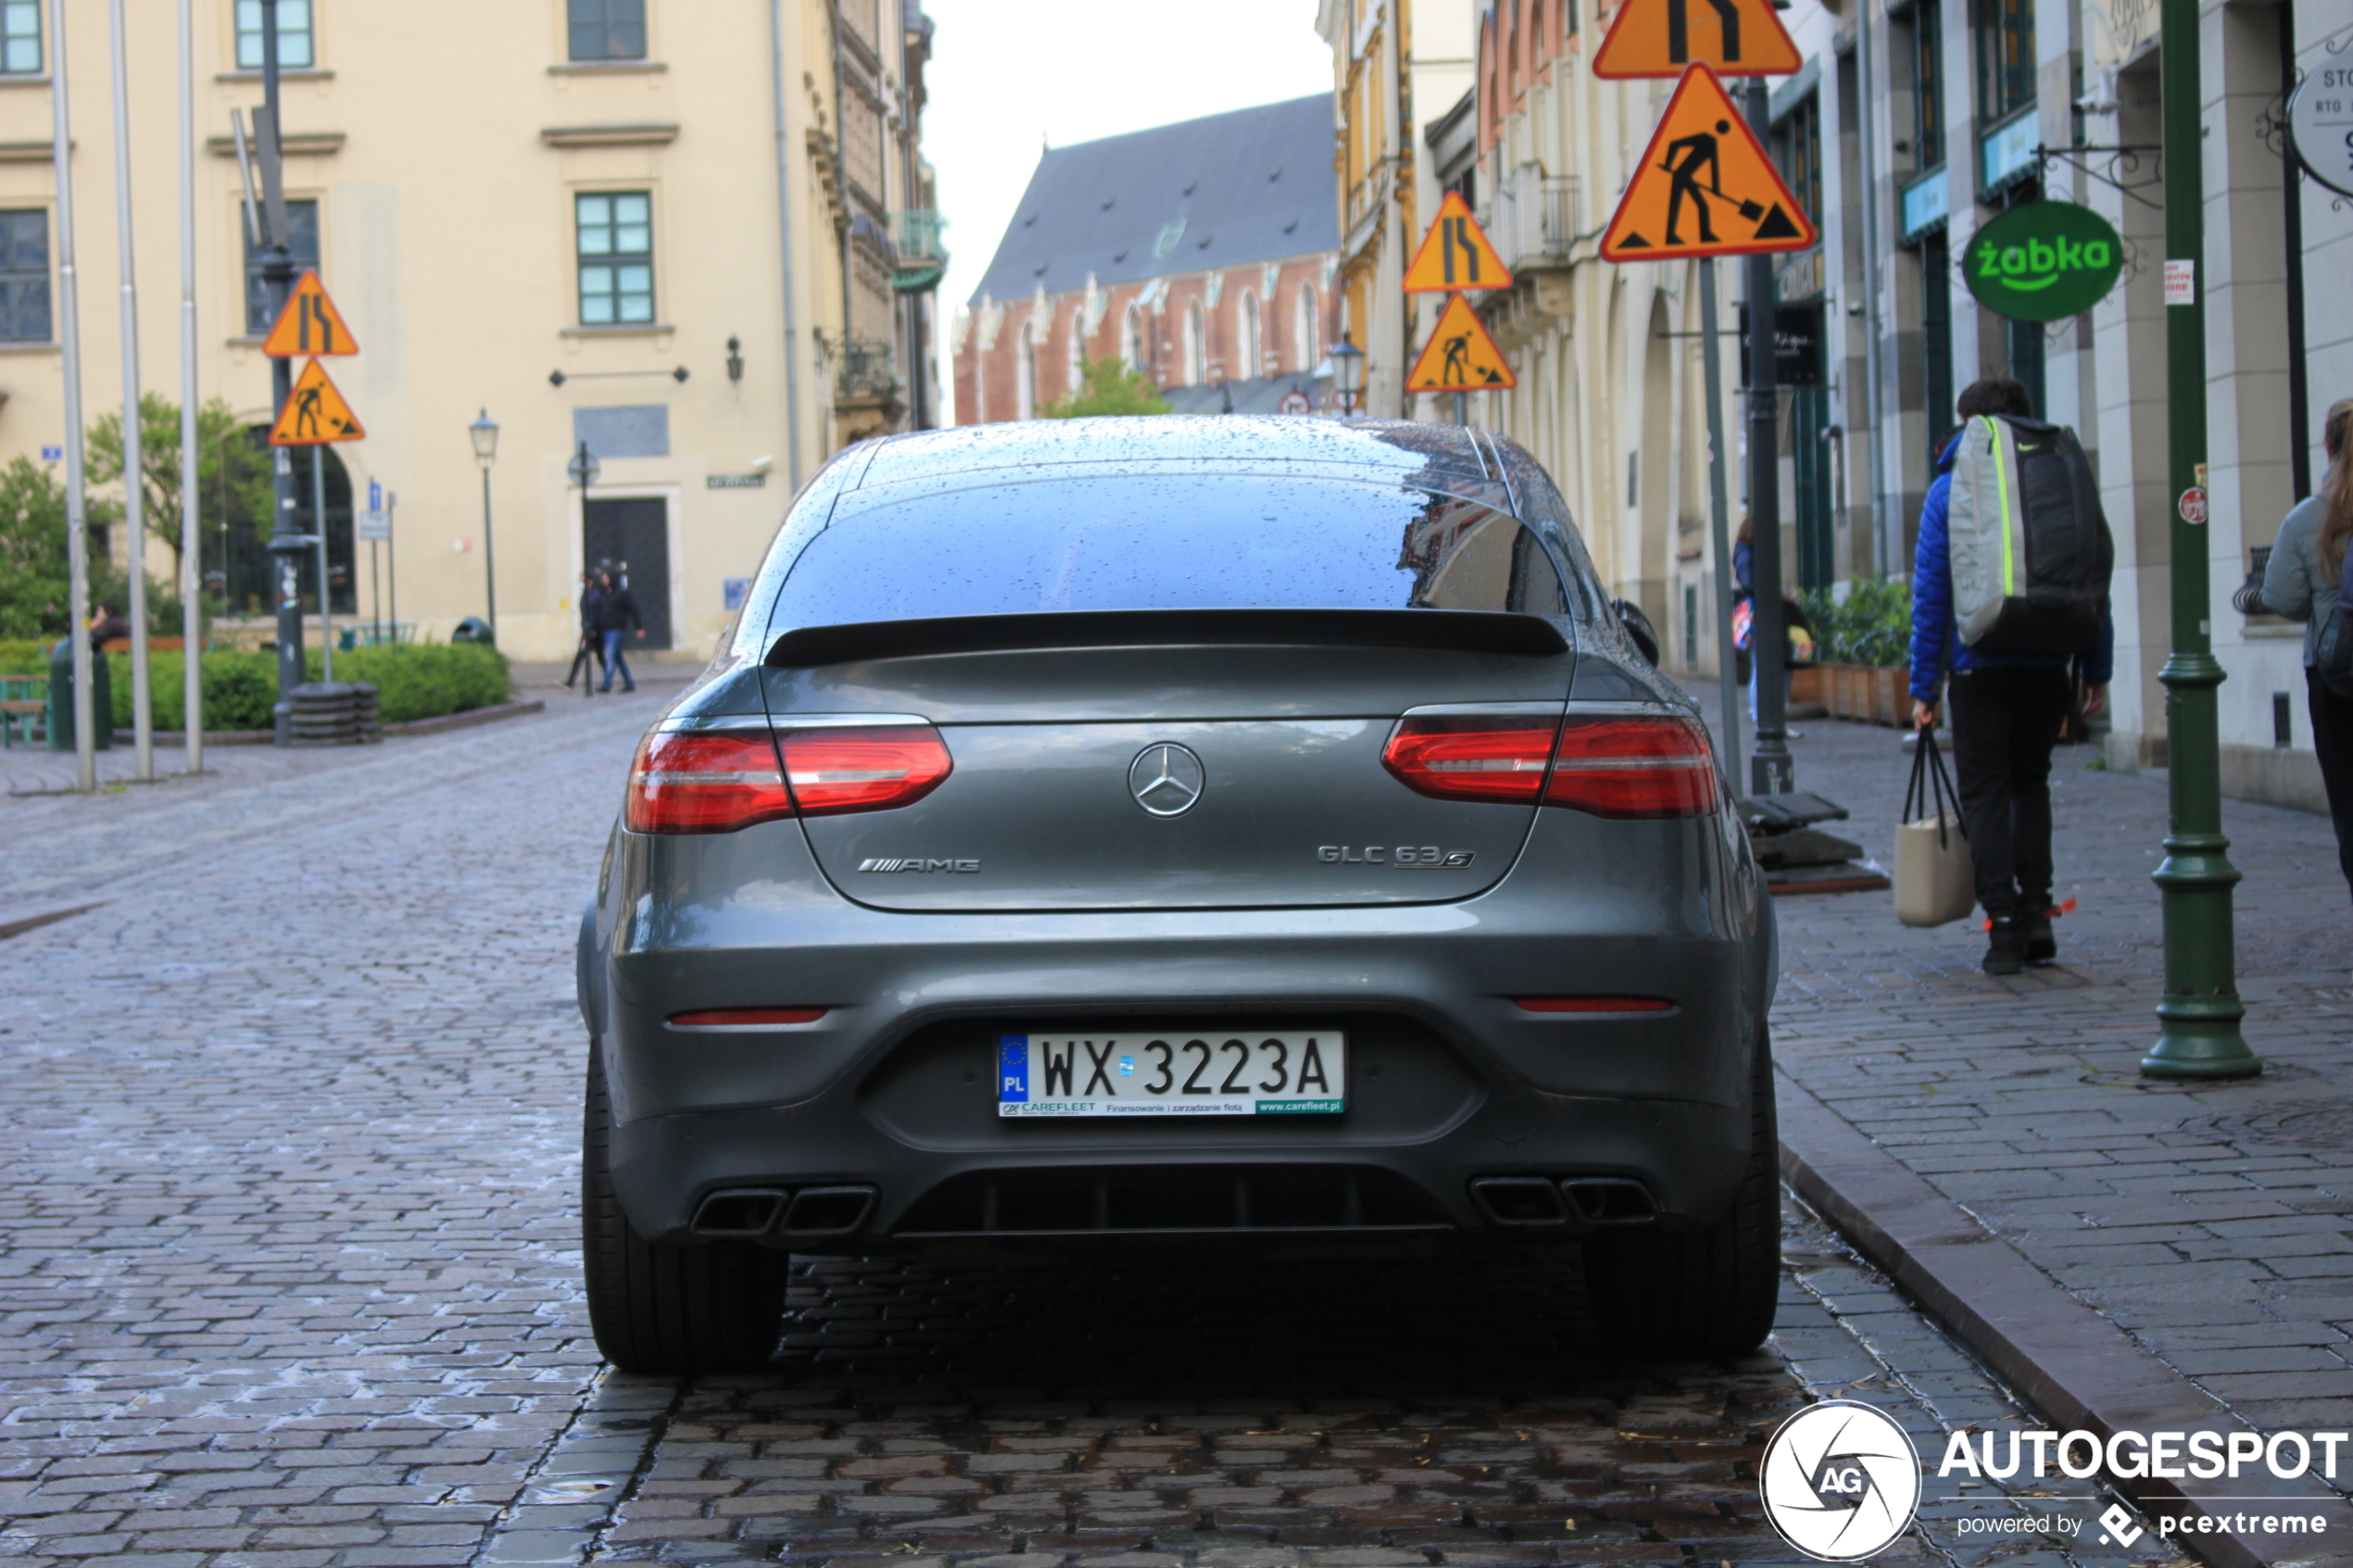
x,y
2327,1124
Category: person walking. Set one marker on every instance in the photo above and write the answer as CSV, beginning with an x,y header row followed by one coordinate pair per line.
x,y
2300,582
2007,710
1745,620
592,642
617,618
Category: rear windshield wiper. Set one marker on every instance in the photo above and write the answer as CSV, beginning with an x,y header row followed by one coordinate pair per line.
x,y
1465,630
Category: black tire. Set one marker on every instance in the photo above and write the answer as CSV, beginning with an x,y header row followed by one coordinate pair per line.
x,y
669,1310
1711,1292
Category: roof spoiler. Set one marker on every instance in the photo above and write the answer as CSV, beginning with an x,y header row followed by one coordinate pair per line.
x,y
1460,631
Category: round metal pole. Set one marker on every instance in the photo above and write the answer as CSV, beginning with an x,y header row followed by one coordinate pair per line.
x,y
1727,662
318,533
134,473
2198,1016
85,739
286,541
489,559
191,533
1771,770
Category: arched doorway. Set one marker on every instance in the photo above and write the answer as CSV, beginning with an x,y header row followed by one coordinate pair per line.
x,y
237,545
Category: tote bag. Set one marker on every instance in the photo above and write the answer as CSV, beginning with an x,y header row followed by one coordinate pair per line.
x,y
1935,881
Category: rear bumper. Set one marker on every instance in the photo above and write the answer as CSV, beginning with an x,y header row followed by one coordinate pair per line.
x,y
892,1089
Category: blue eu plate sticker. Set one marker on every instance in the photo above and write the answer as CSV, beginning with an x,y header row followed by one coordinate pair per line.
x,y
1013,1070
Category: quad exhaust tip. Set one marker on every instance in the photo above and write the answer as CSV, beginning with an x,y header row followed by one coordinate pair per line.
x,y
1544,1204
812,1214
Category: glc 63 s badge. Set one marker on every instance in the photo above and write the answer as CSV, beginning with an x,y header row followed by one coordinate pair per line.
x,y
919,863
1404,856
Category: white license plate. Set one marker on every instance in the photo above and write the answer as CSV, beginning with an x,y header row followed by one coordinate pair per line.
x,y
1214,1072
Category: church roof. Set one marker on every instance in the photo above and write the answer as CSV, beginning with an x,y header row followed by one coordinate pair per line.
x,y
1222,191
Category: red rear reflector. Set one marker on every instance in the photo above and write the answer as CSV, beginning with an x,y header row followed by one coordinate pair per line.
x,y
1592,1004
1660,767
1469,758
714,1017
863,770
704,784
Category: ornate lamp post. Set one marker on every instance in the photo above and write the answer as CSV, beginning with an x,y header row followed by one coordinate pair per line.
x,y
1347,371
485,432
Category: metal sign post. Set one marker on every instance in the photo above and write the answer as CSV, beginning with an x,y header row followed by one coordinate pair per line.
x,y
1728,661
286,541
1771,772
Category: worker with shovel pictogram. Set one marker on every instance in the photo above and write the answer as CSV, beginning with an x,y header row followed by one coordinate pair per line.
x,y
1685,183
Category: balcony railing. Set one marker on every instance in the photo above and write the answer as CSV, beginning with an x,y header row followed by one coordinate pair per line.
x,y
1533,215
865,369
914,235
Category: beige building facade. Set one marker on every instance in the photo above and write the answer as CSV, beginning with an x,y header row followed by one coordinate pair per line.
x,y
694,235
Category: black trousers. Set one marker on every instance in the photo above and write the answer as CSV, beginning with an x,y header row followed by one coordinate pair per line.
x,y
2332,739
2004,722
592,647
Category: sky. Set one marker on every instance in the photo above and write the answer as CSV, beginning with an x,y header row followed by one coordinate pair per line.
x,y
1008,76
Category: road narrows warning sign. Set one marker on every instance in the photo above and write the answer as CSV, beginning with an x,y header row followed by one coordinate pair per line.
x,y
309,324
1460,356
1661,37
1706,186
1456,255
315,413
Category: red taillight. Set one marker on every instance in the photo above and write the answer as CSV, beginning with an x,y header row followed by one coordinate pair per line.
x,y
1592,1004
1633,768
846,769
705,783
1471,757
712,1018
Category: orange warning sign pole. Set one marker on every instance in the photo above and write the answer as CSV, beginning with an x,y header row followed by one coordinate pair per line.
x,y
1706,186
1456,254
1658,38
1460,356
309,324
316,413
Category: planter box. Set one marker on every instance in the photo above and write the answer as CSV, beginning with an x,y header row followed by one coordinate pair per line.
x,y
1856,692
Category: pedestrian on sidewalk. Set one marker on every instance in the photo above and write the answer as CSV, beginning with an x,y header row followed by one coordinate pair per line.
x,y
1744,620
592,642
2300,582
2008,710
617,618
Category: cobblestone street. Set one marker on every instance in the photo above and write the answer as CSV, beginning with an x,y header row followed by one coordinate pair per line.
x,y
289,1278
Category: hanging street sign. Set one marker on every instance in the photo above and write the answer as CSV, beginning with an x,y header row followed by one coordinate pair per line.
x,y
1460,356
315,413
2320,121
1706,186
2043,261
1658,38
1797,343
1456,255
309,324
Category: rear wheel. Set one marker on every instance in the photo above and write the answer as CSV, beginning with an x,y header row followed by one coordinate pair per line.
x,y
671,1311
1708,1292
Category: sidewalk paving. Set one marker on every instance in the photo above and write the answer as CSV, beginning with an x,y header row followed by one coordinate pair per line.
x,y
2214,1222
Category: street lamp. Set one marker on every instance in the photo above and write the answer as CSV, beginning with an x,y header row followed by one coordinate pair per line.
x,y
1348,369
485,432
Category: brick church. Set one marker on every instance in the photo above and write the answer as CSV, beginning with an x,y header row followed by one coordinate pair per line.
x,y
1201,253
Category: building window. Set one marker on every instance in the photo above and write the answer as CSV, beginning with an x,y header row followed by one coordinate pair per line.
x,y
1025,374
1247,338
1131,338
607,30
20,37
616,258
24,276
1196,355
1927,84
1304,330
302,220
1797,149
1075,353
2004,57
294,35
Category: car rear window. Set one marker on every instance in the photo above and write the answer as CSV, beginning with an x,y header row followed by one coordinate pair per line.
x,y
1163,541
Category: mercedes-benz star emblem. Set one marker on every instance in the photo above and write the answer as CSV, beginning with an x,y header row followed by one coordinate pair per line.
x,y
1166,779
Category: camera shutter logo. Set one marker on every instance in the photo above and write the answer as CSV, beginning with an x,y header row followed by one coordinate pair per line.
x,y
1840,1480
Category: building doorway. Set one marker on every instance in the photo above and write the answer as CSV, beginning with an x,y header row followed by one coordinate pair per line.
x,y
632,536
237,543
1809,409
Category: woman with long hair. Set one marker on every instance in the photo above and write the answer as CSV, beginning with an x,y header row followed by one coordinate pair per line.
x,y
2300,582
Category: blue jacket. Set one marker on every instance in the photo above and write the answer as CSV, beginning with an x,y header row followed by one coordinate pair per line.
x,y
1936,643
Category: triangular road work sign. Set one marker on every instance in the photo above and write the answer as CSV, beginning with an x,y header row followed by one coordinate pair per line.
x,y
1660,37
309,324
1460,356
1456,254
1706,186
315,413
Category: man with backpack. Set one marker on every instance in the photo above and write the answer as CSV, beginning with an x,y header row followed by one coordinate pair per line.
x,y
2009,597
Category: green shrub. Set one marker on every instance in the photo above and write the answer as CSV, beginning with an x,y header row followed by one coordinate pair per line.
x,y
23,656
412,681
1871,626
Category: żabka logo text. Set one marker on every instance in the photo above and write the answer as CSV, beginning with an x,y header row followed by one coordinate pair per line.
x,y
1840,1480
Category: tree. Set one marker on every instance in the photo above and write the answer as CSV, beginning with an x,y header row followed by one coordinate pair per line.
x,y
1108,386
33,572
233,471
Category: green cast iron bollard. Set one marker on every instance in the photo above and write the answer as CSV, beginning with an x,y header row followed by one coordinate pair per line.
x,y
60,714
2198,1016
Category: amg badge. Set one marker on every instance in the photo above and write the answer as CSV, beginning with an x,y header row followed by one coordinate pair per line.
x,y
1404,856
919,864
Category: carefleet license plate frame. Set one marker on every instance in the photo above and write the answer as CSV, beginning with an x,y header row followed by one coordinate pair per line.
x,y
1173,1073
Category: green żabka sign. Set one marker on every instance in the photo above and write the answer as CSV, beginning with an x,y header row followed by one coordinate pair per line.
x,y
2043,261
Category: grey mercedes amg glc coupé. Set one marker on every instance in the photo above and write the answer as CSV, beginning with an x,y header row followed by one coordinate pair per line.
x,y
1177,831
